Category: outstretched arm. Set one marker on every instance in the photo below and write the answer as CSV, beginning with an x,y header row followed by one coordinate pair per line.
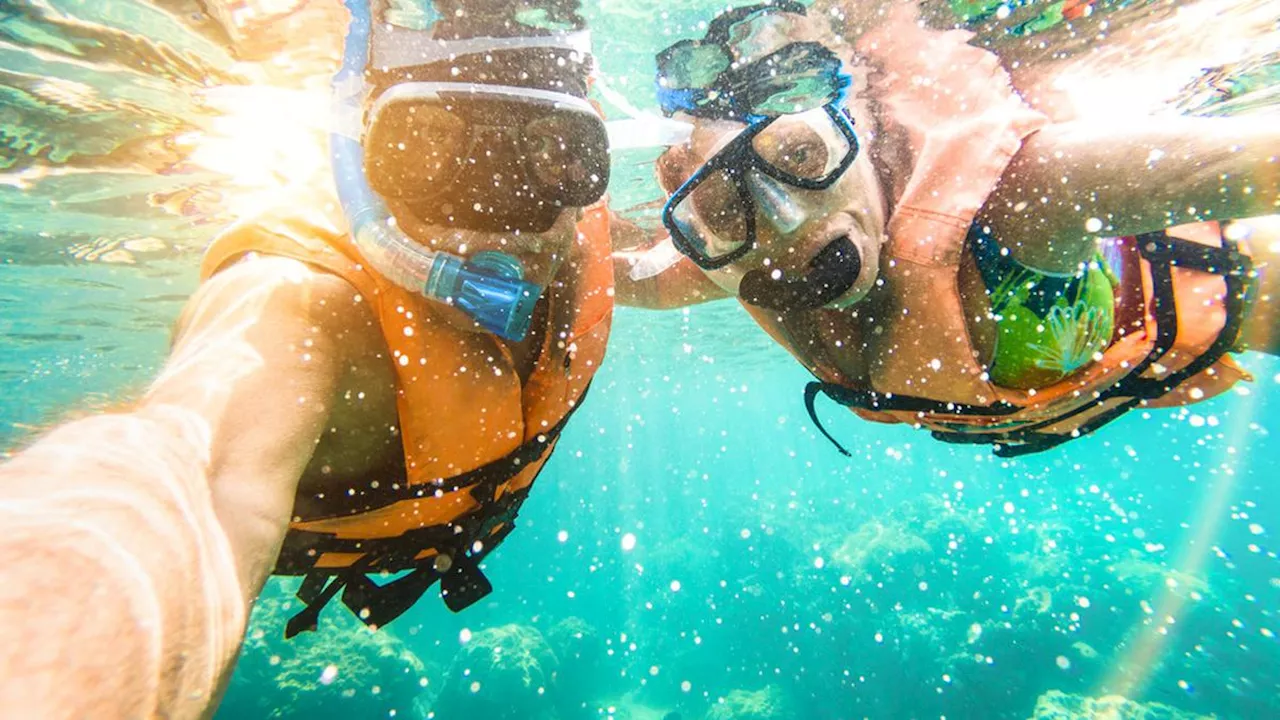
x,y
679,285
1073,182
134,543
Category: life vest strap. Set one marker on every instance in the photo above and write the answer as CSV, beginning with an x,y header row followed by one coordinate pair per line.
x,y
871,400
462,582
462,544
1163,253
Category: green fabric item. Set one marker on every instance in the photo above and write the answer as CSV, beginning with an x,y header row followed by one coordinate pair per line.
x,y
1048,326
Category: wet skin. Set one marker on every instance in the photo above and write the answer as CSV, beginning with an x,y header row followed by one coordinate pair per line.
x,y
278,383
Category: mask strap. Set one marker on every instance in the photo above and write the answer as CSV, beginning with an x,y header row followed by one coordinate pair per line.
x,y
640,129
432,90
396,47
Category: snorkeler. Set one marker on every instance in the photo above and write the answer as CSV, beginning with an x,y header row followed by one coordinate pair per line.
x,y
365,383
935,251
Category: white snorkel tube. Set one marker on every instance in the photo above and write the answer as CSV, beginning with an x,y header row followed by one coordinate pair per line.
x,y
642,130
489,287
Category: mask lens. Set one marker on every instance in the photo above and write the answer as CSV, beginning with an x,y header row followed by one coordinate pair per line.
x,y
568,151
808,145
485,160
415,149
714,216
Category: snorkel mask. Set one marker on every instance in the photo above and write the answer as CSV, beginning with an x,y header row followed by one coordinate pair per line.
x,y
484,133
746,70
469,151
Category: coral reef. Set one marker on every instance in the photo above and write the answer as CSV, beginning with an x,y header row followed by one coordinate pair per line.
x,y
501,673
582,656
878,544
341,670
1143,575
1057,705
768,703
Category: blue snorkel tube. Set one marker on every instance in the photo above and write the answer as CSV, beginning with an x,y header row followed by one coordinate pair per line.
x,y
489,287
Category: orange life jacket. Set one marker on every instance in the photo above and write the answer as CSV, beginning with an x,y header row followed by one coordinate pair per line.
x,y
474,436
952,105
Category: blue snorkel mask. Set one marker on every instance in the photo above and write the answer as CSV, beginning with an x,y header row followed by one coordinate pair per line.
x,y
740,71
747,69
441,187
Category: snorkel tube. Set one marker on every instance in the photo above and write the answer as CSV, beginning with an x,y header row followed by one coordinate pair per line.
x,y
489,287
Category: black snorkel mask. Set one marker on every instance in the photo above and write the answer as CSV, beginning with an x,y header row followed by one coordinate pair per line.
x,y
483,133
712,217
732,74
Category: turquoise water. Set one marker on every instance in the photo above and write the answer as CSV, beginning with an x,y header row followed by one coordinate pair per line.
x,y
694,546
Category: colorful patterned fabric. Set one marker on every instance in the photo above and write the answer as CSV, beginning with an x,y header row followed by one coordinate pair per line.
x,y
1049,326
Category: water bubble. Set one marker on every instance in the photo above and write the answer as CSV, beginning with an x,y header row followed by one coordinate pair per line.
x,y
1063,663
329,674
628,542
1093,225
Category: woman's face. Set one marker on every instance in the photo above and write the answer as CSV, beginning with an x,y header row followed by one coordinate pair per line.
x,y
793,226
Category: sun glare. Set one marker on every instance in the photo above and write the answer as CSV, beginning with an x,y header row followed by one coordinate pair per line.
x,y
1139,70
264,140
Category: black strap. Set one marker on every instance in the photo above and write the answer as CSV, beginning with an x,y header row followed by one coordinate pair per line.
x,y
870,400
811,391
456,565
466,541
316,592
1163,253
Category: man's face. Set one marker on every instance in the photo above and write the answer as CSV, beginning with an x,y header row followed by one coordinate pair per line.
x,y
792,225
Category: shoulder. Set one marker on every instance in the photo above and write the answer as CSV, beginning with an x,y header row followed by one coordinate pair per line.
x,y
278,297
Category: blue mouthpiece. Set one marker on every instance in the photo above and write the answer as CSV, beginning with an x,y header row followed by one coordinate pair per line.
x,y
490,288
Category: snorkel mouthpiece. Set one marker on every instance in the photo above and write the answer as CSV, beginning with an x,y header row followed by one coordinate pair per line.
x,y
489,287
831,274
